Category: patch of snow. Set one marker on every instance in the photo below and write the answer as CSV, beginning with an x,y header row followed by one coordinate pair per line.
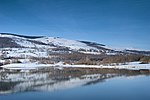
x,y
24,60
25,66
87,52
130,66
26,52
111,53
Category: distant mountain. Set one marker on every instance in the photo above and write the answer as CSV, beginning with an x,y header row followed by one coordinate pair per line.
x,y
30,37
32,45
138,52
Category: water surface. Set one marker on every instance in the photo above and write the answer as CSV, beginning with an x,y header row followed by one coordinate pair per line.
x,y
46,86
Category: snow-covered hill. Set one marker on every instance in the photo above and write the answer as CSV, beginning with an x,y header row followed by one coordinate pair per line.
x,y
40,46
49,43
46,42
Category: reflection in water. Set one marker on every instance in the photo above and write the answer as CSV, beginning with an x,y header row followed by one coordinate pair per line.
x,y
20,82
52,80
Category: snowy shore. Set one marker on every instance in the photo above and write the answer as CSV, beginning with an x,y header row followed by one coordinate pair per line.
x,y
30,66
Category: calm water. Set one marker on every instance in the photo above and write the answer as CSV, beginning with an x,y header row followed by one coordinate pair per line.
x,y
74,87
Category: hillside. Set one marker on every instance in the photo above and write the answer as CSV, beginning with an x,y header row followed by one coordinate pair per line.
x,y
54,49
53,44
32,52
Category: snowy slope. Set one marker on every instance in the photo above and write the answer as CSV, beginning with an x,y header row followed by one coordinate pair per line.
x,y
49,42
24,42
72,44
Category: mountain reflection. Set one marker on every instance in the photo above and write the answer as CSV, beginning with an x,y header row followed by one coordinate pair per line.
x,y
48,81
21,82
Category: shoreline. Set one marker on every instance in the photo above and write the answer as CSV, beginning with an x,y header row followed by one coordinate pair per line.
x,y
76,70
35,65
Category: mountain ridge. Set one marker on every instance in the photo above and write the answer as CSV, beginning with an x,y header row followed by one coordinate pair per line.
x,y
30,37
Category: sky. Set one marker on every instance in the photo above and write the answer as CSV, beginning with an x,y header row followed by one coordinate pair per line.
x,y
115,23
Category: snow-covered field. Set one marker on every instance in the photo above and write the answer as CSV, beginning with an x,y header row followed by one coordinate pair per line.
x,y
29,66
25,52
25,66
130,66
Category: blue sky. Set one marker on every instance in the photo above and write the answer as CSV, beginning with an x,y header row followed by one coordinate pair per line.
x,y
116,23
